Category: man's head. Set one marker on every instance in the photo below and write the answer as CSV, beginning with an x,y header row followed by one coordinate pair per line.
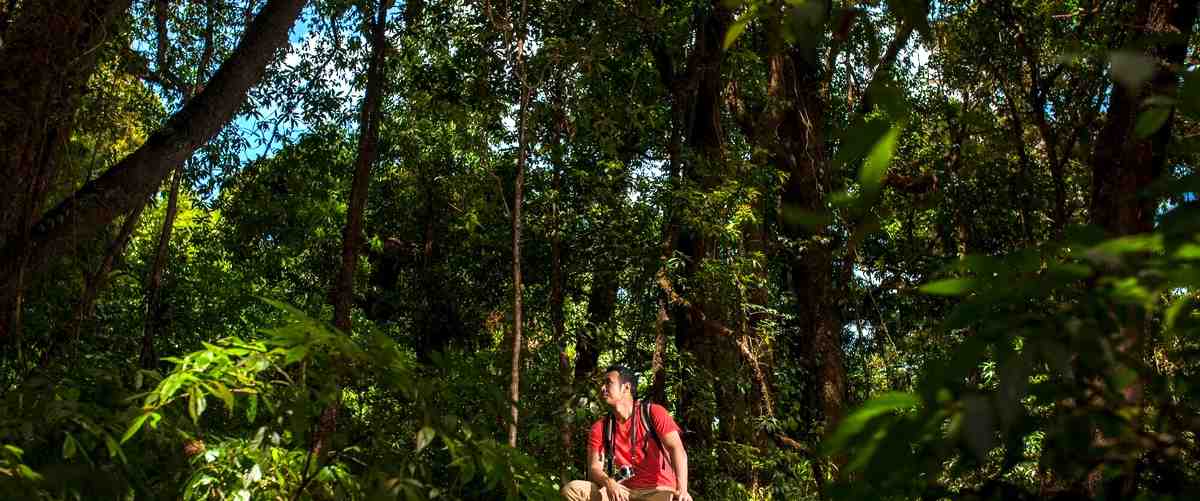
x,y
619,383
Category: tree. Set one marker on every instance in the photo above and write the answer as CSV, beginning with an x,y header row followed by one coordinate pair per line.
x,y
132,180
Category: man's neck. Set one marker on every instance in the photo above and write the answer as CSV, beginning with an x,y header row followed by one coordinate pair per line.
x,y
624,409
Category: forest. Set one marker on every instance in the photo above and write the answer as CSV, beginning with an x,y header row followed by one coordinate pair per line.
x,y
386,249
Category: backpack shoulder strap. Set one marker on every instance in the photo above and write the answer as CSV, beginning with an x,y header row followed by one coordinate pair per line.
x,y
651,427
608,445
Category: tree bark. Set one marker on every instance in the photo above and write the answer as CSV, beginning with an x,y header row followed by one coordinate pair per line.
x,y
49,53
557,299
120,189
1123,165
368,142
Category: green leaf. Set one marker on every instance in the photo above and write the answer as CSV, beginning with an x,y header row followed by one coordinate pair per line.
x,y
814,221
950,286
29,473
135,426
736,29
222,392
1150,121
196,403
875,168
1131,69
252,408
858,139
114,449
424,437
854,424
69,447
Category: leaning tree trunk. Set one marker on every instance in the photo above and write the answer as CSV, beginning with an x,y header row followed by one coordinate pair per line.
x,y
127,184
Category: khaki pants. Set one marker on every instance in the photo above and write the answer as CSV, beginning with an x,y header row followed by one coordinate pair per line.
x,y
582,490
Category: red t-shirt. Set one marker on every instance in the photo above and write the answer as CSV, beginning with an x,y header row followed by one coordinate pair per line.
x,y
651,468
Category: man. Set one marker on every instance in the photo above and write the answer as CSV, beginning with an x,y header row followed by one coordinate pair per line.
x,y
644,440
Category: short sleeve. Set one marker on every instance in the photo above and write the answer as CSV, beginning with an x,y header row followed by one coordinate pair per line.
x,y
596,437
664,424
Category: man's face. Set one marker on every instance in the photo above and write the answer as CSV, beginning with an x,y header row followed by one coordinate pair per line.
x,y
611,388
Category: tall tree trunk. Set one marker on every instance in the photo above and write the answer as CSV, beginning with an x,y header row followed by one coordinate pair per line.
x,y
127,184
803,156
153,308
557,300
152,304
352,234
368,141
514,387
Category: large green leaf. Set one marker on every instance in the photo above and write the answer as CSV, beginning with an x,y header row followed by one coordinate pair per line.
x,y
854,424
875,168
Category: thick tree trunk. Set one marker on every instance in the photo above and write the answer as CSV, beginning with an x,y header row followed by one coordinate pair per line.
x,y
439,321
152,304
1123,165
368,141
803,156
120,189
48,54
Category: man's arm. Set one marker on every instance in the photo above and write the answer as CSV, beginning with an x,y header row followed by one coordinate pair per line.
x,y
679,462
596,467
616,491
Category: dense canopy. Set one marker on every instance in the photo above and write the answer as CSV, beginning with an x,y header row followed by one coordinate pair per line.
x,y
374,249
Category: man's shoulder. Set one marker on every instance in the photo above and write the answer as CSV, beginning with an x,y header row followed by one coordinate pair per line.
x,y
658,409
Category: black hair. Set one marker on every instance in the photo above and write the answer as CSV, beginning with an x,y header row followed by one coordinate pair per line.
x,y
625,375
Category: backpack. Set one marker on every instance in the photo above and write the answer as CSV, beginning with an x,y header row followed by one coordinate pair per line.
x,y
648,427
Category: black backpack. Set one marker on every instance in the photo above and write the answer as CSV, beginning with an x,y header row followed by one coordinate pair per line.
x,y
643,422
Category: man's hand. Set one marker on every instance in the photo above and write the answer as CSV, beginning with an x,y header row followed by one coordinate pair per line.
x,y
681,495
616,491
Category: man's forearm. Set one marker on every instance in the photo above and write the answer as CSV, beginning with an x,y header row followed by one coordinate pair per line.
x,y
597,475
680,462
